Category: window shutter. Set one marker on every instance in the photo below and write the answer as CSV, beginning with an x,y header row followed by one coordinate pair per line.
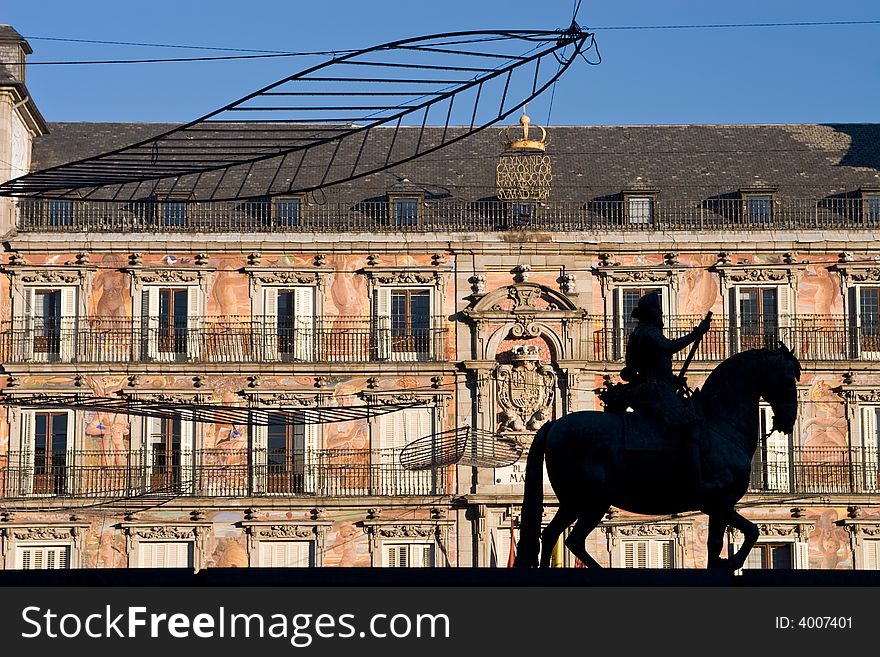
x,y
618,339
152,435
43,557
855,323
397,556
778,452
427,556
870,554
310,450
869,441
735,322
382,322
68,324
25,483
285,554
150,321
635,554
500,547
270,323
801,555
26,344
304,323
187,455
194,322
259,445
664,554
784,315
165,554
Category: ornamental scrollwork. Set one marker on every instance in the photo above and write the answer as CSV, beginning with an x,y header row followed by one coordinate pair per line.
x,y
285,531
50,276
153,276
758,275
871,274
162,532
289,277
406,531
43,533
642,531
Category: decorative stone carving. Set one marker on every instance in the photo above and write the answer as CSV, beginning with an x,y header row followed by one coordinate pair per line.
x,y
49,276
521,273
845,256
254,259
406,277
523,296
16,259
568,284
605,259
670,259
406,531
155,532
320,260
478,283
757,275
135,259
201,259
436,381
43,533
168,276
525,391
643,530
289,277
285,397
285,531
637,275
372,260
870,274
82,258
724,258
372,383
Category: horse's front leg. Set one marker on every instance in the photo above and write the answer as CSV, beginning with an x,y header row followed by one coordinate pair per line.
x,y
718,522
750,533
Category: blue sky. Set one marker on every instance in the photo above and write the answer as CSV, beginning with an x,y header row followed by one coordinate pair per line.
x,y
747,75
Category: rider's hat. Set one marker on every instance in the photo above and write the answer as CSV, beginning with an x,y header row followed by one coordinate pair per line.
x,y
648,308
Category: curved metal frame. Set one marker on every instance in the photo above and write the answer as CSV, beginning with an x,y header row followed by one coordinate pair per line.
x,y
213,157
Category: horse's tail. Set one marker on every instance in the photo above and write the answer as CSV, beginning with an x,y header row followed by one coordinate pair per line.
x,y
533,502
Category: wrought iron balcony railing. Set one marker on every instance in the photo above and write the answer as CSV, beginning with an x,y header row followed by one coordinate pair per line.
x,y
811,337
819,470
220,340
215,473
362,339
716,214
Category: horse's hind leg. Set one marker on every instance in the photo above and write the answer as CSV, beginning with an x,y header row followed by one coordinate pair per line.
x,y
576,541
718,522
750,537
563,518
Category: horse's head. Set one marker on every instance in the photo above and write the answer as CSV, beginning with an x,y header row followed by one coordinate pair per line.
x,y
779,387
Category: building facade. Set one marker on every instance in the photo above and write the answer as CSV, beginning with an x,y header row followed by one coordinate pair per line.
x,y
479,291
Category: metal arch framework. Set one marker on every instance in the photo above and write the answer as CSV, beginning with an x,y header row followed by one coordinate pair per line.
x,y
318,127
207,413
467,446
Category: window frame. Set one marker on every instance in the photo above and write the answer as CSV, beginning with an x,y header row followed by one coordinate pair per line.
x,y
27,453
295,200
412,547
385,343
151,327
395,199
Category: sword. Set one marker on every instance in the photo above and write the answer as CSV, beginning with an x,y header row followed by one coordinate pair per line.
x,y
682,381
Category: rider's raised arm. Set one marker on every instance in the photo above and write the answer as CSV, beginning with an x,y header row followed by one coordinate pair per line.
x,y
673,346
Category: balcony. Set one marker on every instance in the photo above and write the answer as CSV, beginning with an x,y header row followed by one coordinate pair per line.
x,y
712,214
811,337
816,470
220,340
215,473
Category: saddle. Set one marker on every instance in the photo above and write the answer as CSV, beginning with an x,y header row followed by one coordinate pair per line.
x,y
640,427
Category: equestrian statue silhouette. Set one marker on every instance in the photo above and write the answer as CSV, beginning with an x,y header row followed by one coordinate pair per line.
x,y
677,452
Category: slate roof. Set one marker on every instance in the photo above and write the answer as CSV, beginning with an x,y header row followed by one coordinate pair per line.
x,y
589,162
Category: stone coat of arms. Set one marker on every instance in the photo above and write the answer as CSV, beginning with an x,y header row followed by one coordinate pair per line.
x,y
525,391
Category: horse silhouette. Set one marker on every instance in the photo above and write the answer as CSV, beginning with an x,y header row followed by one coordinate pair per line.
x,y
591,468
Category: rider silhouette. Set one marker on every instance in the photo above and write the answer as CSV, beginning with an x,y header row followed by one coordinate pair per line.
x,y
655,387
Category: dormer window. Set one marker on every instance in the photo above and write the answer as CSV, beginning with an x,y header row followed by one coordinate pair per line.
x,y
173,213
406,210
640,209
638,205
60,212
871,204
287,210
758,204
